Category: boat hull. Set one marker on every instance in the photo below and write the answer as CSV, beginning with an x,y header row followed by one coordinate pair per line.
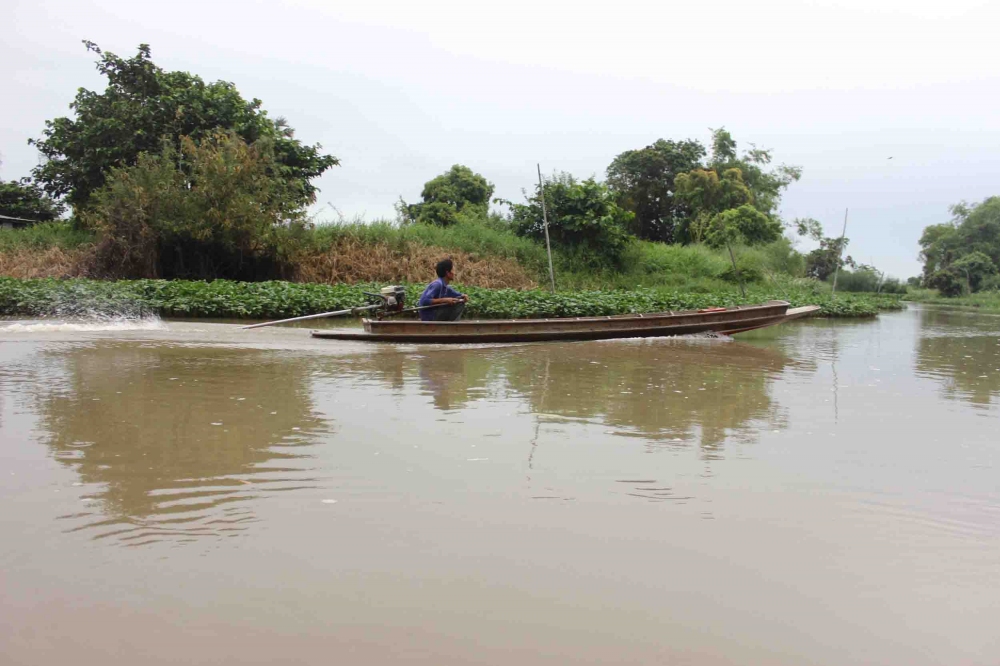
x,y
727,321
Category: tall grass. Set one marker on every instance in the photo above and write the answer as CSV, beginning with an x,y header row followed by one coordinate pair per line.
x,y
60,233
984,300
469,237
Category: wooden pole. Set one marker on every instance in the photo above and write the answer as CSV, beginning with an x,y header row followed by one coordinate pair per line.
x,y
840,252
545,220
736,270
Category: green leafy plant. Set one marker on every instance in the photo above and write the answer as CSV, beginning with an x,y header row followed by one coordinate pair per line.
x,y
223,215
26,200
643,182
274,300
582,216
963,254
459,192
144,103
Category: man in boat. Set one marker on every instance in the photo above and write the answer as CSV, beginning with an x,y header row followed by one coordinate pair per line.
x,y
450,303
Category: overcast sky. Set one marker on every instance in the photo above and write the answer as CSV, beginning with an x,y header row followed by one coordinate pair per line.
x,y
400,91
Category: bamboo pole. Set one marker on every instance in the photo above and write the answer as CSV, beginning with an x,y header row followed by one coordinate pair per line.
x,y
545,220
736,270
840,252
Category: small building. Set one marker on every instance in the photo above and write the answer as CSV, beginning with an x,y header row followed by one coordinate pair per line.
x,y
8,222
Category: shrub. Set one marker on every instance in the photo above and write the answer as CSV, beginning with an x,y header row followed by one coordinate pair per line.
x,y
459,190
947,282
224,215
582,216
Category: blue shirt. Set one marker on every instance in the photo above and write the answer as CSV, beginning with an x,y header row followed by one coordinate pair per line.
x,y
436,289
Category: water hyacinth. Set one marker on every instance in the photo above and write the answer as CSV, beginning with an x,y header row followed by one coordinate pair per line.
x,y
274,300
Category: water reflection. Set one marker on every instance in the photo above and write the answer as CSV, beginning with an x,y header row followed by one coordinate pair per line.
x,y
962,351
667,392
174,440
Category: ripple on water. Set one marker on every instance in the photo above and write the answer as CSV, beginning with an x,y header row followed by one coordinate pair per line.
x,y
190,511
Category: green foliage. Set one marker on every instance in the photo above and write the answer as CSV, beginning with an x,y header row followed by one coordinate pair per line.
x,y
782,257
706,195
26,200
965,252
459,193
223,215
441,213
643,183
732,181
583,218
976,267
273,300
829,257
867,278
744,225
744,272
765,185
59,233
988,300
824,261
947,282
143,104
467,236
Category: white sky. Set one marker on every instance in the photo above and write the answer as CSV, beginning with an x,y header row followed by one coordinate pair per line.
x,y
400,91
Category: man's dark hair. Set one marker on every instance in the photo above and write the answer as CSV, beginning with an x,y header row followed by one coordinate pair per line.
x,y
443,267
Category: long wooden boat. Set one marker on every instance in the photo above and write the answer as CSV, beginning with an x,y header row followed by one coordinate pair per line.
x,y
718,320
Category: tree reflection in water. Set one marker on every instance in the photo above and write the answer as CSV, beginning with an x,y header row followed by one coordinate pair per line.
x,y
176,439
664,391
962,352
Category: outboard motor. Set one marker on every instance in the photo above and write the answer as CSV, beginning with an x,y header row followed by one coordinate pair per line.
x,y
390,300
394,298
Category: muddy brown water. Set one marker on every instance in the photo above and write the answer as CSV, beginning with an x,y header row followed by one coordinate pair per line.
x,y
187,492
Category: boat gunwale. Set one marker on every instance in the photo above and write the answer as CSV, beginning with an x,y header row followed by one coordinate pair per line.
x,y
666,314
725,327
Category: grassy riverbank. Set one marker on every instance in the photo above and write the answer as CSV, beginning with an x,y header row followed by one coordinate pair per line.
x,y
984,300
266,300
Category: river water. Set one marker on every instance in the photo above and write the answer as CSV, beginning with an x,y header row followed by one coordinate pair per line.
x,y
188,492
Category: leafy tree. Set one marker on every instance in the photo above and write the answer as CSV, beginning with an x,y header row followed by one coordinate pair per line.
x,y
706,195
27,201
730,180
963,250
742,226
583,215
975,267
458,190
643,182
765,185
143,104
947,281
822,262
225,215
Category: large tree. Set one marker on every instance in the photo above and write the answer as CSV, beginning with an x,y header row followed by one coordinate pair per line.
x,y
727,182
643,182
963,252
142,105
